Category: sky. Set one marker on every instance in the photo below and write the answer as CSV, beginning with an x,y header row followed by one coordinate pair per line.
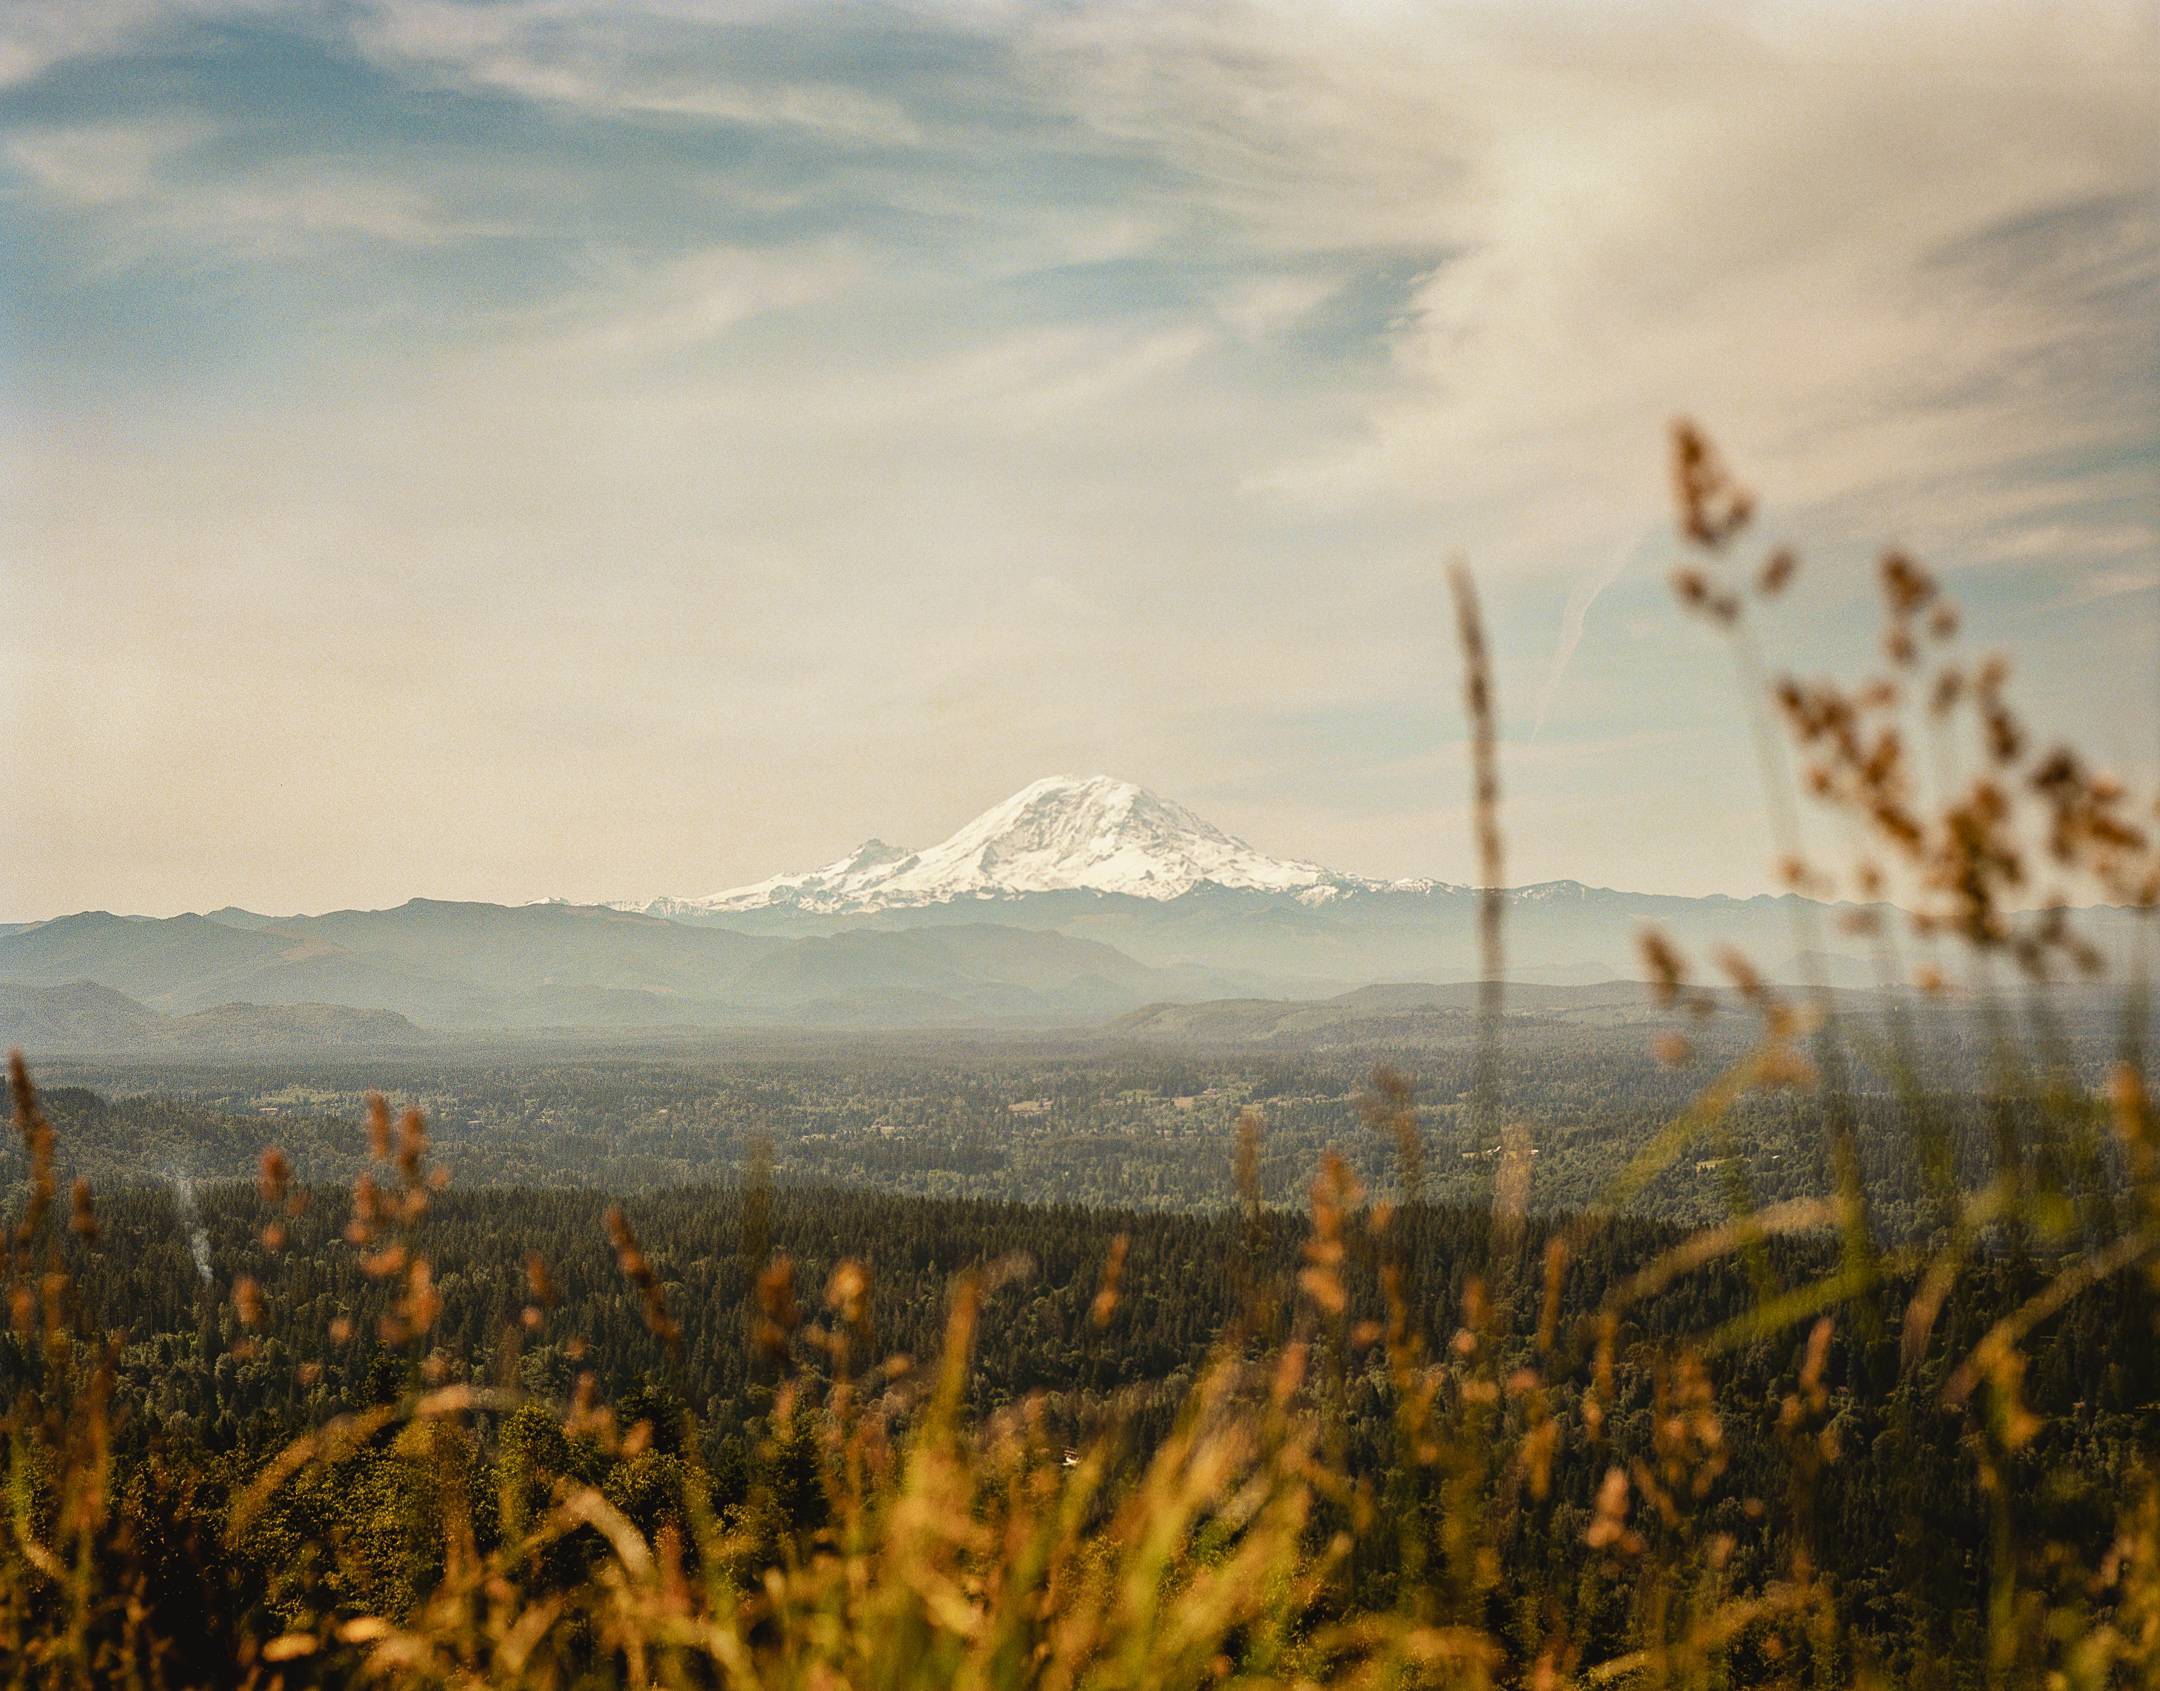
x,y
599,448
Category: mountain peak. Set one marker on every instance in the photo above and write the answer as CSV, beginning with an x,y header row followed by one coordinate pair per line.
x,y
1064,833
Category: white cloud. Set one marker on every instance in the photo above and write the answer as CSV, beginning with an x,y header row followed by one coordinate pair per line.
x,y
1574,620
36,35
619,58
630,312
150,195
101,164
1264,306
1778,217
2103,584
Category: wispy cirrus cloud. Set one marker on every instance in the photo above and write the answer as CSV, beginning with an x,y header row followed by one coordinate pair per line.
x,y
37,35
2104,584
1870,278
144,184
100,164
632,59
624,315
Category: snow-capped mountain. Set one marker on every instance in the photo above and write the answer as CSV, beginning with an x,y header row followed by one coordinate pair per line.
x,y
1075,899
1064,834
1104,860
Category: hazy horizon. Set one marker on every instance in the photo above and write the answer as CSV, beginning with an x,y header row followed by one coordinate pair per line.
x,y
574,450
633,895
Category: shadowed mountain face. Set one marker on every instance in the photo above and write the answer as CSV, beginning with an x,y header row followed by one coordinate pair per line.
x,y
81,1016
487,965
77,1015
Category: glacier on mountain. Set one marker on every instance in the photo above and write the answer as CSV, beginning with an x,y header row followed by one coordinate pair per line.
x,y
1063,834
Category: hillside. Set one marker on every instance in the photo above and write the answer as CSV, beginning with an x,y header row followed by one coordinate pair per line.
x,y
84,1017
75,1016
453,966
1423,1014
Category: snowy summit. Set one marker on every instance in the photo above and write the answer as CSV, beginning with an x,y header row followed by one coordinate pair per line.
x,y
1064,834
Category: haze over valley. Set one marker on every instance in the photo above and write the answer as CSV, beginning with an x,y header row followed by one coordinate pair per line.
x,y
1072,903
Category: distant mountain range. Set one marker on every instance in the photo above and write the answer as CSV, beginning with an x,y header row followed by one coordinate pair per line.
x,y
1099,858
1074,901
471,966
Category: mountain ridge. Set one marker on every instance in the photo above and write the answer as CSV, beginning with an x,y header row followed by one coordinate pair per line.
x,y
444,964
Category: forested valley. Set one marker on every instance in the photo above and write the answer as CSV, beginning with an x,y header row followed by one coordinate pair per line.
x,y
1131,1220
